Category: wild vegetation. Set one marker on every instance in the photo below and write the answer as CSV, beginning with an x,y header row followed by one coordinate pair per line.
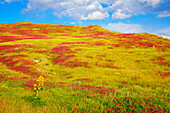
x,y
78,69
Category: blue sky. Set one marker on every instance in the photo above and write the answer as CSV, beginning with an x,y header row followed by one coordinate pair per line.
x,y
152,16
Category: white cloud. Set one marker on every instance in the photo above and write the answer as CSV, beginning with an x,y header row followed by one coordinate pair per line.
x,y
152,2
94,6
125,28
12,0
87,9
72,22
127,8
108,2
96,16
163,32
119,15
77,9
163,14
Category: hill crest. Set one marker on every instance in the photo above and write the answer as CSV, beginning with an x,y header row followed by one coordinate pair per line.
x,y
85,69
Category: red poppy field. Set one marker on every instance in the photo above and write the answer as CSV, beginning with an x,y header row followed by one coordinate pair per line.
x,y
83,70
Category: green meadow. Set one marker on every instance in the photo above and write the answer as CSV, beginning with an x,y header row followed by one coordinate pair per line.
x,y
85,70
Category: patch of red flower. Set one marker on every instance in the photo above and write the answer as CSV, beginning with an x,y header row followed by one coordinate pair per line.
x,y
161,61
99,43
28,35
62,49
76,63
164,74
110,47
137,40
29,83
101,55
116,45
93,88
105,83
138,60
69,77
84,79
62,58
89,56
9,38
13,48
80,36
66,74
74,43
109,60
9,59
107,65
25,66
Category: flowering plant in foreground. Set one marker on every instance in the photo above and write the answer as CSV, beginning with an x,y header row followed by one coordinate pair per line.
x,y
39,85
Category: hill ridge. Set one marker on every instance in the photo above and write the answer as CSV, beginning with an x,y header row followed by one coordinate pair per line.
x,y
85,69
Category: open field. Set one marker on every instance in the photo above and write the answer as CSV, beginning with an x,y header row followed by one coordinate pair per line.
x,y
85,70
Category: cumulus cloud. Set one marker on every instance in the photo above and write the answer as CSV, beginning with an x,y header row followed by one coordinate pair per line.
x,y
12,0
163,11
164,32
119,15
124,28
163,15
125,9
72,22
94,9
152,2
96,16
77,9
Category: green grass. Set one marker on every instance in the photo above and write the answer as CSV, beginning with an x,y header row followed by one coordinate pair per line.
x,y
138,72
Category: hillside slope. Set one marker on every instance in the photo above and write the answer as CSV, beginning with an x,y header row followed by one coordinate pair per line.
x,y
86,69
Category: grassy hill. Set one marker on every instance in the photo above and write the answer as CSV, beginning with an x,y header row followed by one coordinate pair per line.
x,y
85,70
